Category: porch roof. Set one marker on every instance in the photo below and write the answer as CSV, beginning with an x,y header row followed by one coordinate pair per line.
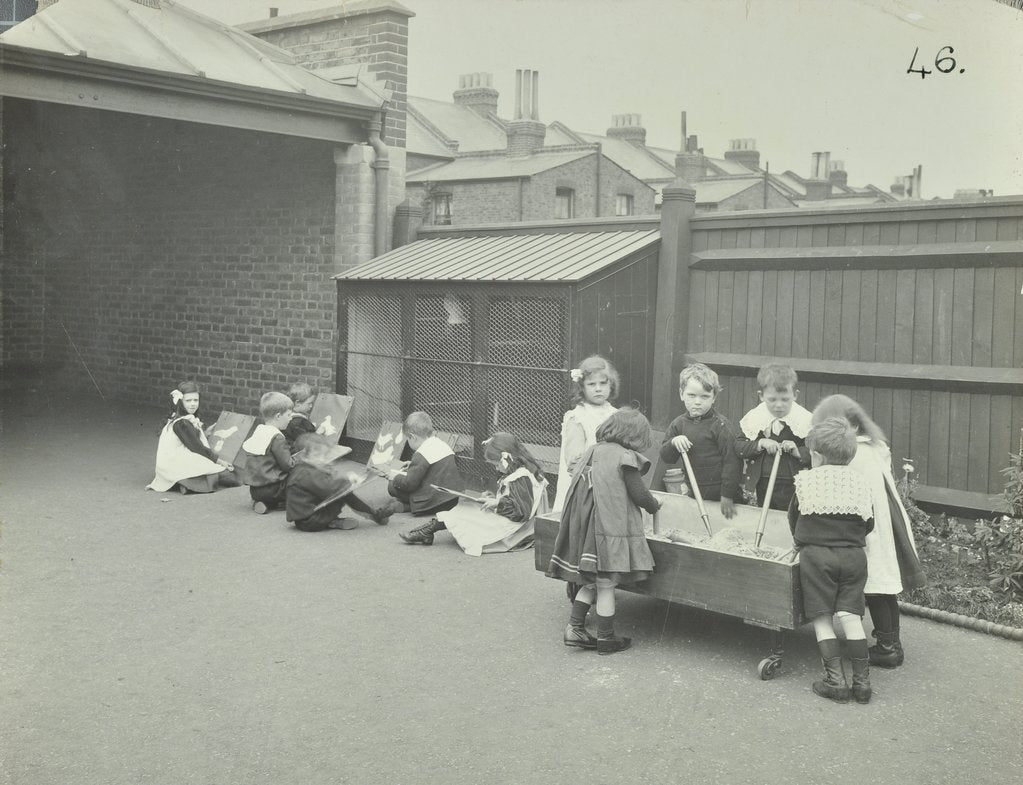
x,y
546,258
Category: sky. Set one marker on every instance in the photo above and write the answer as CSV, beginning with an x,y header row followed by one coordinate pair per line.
x,y
798,76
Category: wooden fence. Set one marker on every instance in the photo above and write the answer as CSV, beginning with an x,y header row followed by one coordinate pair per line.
x,y
914,310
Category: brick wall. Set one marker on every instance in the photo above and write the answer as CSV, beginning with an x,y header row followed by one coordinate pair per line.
x,y
167,250
375,36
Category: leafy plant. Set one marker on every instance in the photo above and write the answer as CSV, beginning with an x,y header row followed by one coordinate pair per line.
x,y
1013,493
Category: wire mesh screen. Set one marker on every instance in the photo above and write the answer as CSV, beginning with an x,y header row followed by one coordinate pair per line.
x,y
429,350
374,363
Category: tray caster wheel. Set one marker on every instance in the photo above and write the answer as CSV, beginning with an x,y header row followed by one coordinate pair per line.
x,y
769,667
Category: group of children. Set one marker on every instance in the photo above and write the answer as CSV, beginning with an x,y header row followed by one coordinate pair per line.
x,y
833,476
830,469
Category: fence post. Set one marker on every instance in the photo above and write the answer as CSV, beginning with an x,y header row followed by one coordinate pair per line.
x,y
671,332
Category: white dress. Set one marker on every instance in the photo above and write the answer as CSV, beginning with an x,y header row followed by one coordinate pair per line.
x,y
578,434
175,462
874,460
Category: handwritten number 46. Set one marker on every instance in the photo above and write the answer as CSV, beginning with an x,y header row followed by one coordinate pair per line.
x,y
946,64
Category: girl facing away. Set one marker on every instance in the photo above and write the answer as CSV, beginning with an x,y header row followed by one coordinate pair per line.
x,y
601,542
503,522
892,562
183,454
594,385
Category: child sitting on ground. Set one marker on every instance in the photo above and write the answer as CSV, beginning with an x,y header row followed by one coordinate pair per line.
x,y
777,424
267,457
503,522
183,454
303,397
601,542
314,479
432,464
707,437
830,516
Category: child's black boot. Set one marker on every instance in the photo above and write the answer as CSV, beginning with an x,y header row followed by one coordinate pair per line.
x,y
576,634
607,641
833,685
887,652
423,535
860,661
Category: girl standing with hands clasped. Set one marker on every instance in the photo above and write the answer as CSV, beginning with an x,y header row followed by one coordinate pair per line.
x,y
892,561
504,522
594,386
183,455
601,542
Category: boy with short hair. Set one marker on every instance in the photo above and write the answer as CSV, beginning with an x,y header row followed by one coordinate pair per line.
x,y
777,424
433,463
830,516
304,397
266,457
314,479
706,436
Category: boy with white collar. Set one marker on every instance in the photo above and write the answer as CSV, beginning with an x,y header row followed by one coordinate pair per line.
x,y
267,459
777,424
433,463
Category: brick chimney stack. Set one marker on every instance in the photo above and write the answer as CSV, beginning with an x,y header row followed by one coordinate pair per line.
x,y
837,173
744,151
629,128
44,4
526,133
690,165
477,92
818,187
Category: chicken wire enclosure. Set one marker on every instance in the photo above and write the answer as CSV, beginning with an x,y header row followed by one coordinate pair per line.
x,y
476,359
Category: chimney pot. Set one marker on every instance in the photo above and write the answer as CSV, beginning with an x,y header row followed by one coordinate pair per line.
x,y
628,128
475,92
744,151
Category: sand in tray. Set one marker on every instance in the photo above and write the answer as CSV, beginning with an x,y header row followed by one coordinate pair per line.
x,y
727,540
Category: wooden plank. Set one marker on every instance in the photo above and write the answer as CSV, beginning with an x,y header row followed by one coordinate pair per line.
x,y
959,440
962,316
851,315
946,231
787,237
919,431
871,234
699,241
1003,308
979,470
867,337
832,327
819,236
811,395
902,401
966,230
987,229
886,284
883,407
800,313
983,316
697,304
1000,441
941,342
1017,341
908,233
713,239
958,503
923,316
903,375
804,237
710,313
783,317
836,235
729,238
743,238
938,444
904,295
889,234
726,287
740,293
927,233
754,309
768,323
815,342
757,237
854,234
1008,229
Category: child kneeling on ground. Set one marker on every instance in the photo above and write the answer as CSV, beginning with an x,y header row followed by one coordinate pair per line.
x,y
830,516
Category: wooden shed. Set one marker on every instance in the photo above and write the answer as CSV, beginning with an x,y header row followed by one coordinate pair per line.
x,y
480,331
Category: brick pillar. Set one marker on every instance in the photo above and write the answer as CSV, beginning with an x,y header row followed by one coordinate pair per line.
x,y
672,315
353,206
407,220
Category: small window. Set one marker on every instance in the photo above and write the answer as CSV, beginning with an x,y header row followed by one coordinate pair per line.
x,y
564,203
442,209
623,204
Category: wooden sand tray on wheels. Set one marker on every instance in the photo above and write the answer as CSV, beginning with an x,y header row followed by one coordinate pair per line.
x,y
761,592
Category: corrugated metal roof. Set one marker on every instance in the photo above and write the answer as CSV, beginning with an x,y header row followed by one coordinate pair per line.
x,y
174,39
558,258
493,167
